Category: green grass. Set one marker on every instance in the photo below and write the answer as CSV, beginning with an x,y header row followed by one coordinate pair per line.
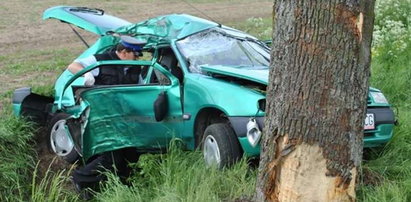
x,y
392,165
52,186
38,69
393,77
181,176
388,191
37,61
17,157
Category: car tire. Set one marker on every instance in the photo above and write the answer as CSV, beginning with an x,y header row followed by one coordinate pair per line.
x,y
59,141
220,145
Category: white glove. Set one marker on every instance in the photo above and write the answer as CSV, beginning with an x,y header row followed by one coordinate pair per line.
x,y
89,79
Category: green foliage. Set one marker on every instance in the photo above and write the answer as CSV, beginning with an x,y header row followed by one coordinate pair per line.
x,y
258,27
181,176
391,74
393,77
391,51
392,28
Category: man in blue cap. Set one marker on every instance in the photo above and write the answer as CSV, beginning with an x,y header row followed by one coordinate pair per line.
x,y
129,48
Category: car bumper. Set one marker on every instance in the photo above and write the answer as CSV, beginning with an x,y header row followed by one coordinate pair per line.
x,y
384,125
30,105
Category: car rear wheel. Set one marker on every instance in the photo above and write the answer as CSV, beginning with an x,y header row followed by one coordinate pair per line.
x,y
59,140
220,145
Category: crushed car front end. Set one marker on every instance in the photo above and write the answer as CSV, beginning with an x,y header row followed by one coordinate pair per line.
x,y
380,120
237,58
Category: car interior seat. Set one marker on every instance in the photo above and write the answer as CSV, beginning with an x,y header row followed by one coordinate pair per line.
x,y
169,61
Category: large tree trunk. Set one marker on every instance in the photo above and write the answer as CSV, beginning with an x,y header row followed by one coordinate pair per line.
x,y
316,100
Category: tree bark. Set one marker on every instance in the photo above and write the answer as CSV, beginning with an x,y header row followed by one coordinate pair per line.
x,y
316,100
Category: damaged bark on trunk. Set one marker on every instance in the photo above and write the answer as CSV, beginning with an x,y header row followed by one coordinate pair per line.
x,y
316,100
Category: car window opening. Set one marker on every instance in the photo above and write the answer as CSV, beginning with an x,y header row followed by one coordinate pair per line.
x,y
169,61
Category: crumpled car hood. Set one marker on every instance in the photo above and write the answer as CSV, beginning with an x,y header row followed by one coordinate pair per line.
x,y
255,74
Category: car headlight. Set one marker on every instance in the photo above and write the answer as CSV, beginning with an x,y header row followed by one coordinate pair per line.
x,y
253,132
378,97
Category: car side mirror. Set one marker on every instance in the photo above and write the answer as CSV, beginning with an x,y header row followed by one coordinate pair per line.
x,y
161,106
261,105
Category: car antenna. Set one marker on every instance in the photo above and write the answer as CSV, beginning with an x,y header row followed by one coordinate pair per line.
x,y
192,6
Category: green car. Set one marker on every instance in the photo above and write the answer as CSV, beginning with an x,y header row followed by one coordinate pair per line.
x,y
200,82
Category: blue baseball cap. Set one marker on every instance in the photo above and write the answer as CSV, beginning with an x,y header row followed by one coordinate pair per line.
x,y
132,44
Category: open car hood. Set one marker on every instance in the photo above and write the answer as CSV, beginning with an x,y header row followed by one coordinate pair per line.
x,y
258,75
90,19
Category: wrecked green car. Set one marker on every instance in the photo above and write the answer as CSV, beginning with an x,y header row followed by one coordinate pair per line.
x,y
200,82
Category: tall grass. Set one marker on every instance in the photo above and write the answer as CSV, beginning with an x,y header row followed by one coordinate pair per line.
x,y
17,157
52,186
181,176
392,166
18,172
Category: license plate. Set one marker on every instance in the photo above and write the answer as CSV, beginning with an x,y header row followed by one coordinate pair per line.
x,y
369,123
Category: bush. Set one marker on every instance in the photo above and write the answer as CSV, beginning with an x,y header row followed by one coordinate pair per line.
x,y
392,29
391,73
391,49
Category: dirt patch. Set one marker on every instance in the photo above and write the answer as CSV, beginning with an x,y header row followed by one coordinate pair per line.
x,y
45,157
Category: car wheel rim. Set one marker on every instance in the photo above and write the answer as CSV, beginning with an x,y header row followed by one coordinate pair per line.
x,y
59,140
211,151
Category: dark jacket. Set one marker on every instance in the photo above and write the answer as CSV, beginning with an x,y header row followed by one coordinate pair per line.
x,y
115,74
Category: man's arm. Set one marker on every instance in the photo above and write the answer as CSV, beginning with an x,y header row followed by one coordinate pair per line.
x,y
75,67
80,64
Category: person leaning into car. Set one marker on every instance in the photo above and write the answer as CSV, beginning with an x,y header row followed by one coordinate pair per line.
x,y
128,48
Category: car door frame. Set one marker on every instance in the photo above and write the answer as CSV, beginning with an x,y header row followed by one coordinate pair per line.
x,y
172,124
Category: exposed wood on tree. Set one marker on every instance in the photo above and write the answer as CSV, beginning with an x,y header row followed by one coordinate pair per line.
x,y
316,98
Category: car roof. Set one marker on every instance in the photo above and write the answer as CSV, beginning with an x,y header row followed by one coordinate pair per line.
x,y
169,27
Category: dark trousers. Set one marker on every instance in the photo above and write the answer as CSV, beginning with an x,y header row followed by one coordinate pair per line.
x,y
92,173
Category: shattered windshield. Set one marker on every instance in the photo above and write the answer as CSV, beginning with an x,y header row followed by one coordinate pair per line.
x,y
223,47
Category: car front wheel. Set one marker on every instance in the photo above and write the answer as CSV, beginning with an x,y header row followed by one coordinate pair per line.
x,y
220,145
59,141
